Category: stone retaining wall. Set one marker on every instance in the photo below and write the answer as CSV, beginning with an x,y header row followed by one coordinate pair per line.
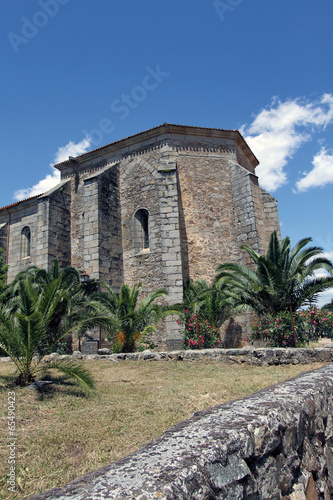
x,y
275,444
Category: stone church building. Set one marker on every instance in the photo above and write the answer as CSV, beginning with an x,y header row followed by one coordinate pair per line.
x,y
164,206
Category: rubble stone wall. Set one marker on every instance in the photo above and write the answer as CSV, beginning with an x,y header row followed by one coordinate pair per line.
x,y
275,444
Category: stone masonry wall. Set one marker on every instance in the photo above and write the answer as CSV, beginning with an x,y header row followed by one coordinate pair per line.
x,y
276,444
24,215
150,183
77,221
110,229
77,176
244,211
209,233
3,238
270,217
139,190
54,227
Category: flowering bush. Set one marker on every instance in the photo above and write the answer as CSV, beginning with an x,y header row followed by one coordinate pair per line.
x,y
197,335
310,324
277,330
318,322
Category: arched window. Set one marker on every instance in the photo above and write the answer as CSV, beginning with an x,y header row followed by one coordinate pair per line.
x,y
26,242
141,236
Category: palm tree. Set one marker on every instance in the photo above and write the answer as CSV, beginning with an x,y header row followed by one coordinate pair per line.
x,y
25,324
126,317
284,278
67,285
213,304
69,277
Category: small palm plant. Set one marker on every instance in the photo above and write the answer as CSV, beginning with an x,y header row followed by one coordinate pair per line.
x,y
25,322
213,303
127,318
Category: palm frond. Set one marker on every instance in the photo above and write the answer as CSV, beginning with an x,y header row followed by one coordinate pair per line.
x,y
75,371
281,277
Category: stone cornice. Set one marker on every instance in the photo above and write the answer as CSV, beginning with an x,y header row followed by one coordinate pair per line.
x,y
157,137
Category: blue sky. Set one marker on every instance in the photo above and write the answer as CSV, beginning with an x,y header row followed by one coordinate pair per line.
x,y
73,73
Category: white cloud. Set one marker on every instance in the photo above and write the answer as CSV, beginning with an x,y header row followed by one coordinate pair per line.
x,y
277,133
325,297
320,175
328,255
51,180
42,186
72,149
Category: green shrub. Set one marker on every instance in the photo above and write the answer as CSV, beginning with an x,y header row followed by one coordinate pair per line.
x,y
197,334
277,330
318,322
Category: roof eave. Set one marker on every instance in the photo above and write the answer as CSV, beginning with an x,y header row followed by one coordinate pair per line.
x,y
16,203
165,128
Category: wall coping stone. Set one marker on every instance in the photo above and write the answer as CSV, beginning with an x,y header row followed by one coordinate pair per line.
x,y
274,444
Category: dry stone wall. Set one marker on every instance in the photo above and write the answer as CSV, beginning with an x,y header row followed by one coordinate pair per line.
x,y
274,445
261,356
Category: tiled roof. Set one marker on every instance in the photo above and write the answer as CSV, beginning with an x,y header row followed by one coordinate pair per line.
x,y
150,130
21,201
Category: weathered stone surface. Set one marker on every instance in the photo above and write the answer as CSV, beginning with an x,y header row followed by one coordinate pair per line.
x,y
104,351
77,355
206,456
243,356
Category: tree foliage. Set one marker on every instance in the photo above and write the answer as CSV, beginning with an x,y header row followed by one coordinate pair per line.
x,y
284,278
127,318
214,303
27,321
66,297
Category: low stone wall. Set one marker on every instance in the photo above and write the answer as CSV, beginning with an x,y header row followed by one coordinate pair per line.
x,y
248,355
275,444
260,356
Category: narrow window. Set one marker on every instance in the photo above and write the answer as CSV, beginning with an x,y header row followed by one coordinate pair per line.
x,y
142,229
26,242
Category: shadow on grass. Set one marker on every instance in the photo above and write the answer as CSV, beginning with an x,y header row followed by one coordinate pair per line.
x,y
7,382
59,384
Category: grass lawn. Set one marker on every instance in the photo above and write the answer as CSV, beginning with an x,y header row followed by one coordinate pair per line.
x,y
61,434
